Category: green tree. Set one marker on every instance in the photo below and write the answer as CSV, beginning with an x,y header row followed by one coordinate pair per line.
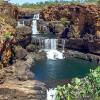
x,y
98,2
79,88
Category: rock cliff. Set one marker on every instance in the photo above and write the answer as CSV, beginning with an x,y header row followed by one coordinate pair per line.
x,y
81,21
84,18
8,17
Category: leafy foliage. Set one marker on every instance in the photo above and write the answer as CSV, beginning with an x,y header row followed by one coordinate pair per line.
x,y
7,35
88,87
43,4
63,21
55,2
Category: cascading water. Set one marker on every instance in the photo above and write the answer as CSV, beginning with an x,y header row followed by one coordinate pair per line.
x,y
19,24
53,44
51,49
63,44
23,23
34,24
34,27
47,44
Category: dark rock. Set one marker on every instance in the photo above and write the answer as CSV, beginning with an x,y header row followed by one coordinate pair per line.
x,y
31,48
51,28
65,33
94,47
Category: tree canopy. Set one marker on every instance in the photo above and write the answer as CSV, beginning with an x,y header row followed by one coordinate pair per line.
x,y
55,2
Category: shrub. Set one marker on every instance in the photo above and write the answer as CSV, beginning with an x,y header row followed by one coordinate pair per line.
x,y
63,21
88,87
7,35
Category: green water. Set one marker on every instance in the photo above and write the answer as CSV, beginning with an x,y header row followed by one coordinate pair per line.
x,y
62,69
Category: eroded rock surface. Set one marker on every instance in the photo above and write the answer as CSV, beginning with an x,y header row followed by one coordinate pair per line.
x,y
27,90
83,18
17,82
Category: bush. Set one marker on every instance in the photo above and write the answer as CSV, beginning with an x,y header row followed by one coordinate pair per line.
x,y
7,35
88,87
63,21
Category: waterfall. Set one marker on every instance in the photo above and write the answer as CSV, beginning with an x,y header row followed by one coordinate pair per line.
x,y
47,44
53,44
36,16
63,44
34,24
51,94
51,49
23,23
34,27
19,24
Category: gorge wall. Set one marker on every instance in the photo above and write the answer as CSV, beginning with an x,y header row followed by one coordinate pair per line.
x,y
8,18
82,22
84,18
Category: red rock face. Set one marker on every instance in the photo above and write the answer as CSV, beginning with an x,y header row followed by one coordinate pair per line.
x,y
7,12
84,17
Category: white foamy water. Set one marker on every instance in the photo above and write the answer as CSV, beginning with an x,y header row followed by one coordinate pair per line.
x,y
51,94
51,49
54,54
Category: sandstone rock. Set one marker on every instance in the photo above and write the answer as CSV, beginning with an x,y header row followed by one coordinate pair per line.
x,y
28,90
40,56
7,30
2,76
21,53
30,75
98,34
83,18
22,69
24,31
23,37
22,77
59,27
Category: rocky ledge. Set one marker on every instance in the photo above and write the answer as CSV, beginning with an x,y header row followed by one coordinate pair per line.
x,y
23,90
84,56
17,82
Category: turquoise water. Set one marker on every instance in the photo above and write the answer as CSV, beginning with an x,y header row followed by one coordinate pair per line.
x,y
62,69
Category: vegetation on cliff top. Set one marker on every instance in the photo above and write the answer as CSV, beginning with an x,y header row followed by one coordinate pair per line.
x,y
56,2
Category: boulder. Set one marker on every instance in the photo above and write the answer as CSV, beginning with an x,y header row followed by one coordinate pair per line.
x,y
59,27
40,56
20,53
22,69
31,48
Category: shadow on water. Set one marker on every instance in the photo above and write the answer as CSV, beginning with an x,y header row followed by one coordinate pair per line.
x,y
59,72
